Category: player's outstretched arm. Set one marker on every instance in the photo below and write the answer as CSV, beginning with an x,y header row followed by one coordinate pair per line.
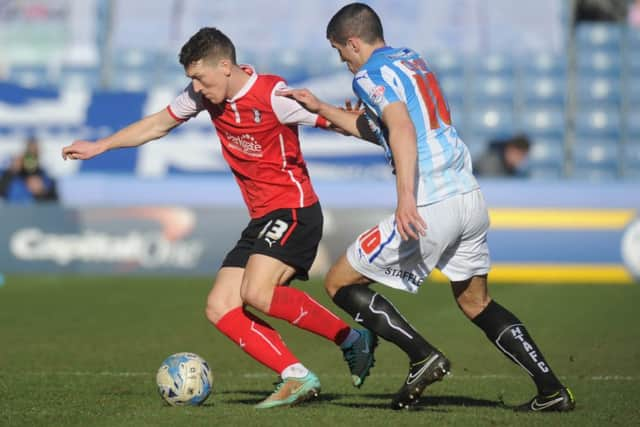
x,y
339,117
147,129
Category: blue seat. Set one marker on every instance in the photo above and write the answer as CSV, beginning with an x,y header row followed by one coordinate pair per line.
x,y
539,65
599,35
598,92
598,123
596,159
132,81
632,126
289,64
30,75
171,74
494,65
446,64
453,88
632,65
546,158
543,122
632,40
496,91
599,63
136,59
487,124
544,92
459,118
85,77
631,160
632,94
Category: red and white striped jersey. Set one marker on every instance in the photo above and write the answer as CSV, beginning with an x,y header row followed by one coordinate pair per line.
x,y
258,132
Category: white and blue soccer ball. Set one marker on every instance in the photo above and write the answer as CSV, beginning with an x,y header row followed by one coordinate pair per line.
x,y
184,379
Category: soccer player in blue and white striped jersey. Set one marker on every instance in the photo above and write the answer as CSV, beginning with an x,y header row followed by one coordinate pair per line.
x,y
440,221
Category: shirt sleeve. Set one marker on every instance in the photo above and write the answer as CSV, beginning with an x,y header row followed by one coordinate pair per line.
x,y
186,105
375,91
290,112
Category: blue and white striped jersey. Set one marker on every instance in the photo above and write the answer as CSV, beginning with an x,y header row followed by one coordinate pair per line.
x,y
444,162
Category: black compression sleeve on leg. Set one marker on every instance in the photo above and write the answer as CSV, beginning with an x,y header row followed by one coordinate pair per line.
x,y
377,314
510,336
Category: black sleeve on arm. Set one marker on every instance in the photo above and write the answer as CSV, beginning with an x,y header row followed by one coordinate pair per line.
x,y
362,124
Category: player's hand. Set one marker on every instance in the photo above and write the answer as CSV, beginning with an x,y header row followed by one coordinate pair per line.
x,y
81,150
408,221
350,108
304,96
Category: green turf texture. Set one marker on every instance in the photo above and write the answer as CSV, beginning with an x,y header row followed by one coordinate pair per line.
x,y
83,351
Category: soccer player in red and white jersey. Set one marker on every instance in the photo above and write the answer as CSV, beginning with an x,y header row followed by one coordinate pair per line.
x,y
259,137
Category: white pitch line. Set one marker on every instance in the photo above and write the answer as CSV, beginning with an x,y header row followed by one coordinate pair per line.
x,y
605,378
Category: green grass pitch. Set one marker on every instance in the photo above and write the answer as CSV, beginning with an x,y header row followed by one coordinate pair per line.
x,y
83,351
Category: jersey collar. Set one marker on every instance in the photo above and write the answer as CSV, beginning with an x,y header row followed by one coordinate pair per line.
x,y
381,50
248,85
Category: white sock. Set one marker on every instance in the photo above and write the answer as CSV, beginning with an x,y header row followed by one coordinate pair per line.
x,y
350,339
297,370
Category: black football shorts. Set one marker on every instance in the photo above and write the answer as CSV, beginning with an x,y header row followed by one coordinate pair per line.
x,y
290,235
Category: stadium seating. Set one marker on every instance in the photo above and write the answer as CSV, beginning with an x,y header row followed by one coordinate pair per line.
x,y
79,76
632,127
543,65
580,97
546,91
486,124
454,88
543,122
447,64
497,91
546,158
494,66
596,158
599,63
631,160
599,35
598,123
30,75
598,92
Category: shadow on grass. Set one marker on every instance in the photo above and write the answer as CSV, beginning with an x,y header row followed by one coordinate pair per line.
x,y
260,395
432,403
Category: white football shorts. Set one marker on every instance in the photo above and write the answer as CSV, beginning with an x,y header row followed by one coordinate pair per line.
x,y
455,243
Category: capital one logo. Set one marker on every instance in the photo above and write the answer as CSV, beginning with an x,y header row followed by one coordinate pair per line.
x,y
166,247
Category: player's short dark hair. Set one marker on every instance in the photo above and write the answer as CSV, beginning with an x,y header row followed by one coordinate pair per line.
x,y
207,43
355,20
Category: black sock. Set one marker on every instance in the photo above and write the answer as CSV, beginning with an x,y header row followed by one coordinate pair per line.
x,y
377,314
510,336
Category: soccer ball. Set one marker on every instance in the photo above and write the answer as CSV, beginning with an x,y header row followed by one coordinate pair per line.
x,y
184,379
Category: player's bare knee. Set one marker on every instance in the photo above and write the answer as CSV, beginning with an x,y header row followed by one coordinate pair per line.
x,y
330,283
471,304
340,275
256,297
216,310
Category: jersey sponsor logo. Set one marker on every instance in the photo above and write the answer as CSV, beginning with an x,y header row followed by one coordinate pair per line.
x,y
257,116
404,275
244,143
376,95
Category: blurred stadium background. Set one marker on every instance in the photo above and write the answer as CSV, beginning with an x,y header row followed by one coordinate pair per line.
x,y
72,69
80,346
